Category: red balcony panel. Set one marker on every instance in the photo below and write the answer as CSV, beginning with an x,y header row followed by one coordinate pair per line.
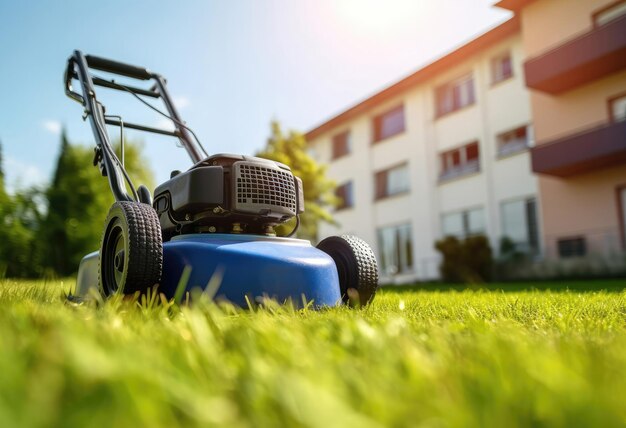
x,y
581,60
600,147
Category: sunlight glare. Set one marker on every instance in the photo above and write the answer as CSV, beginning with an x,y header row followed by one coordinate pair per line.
x,y
378,18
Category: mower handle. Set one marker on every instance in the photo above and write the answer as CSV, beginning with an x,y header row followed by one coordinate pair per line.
x,y
69,75
116,67
78,68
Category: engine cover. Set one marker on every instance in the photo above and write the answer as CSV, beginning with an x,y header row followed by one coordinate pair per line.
x,y
224,190
262,188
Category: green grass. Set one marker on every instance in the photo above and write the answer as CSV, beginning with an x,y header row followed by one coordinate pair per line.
x,y
413,358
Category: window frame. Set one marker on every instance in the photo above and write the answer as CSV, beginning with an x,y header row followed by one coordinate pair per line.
x,y
533,234
610,105
378,193
620,193
464,167
496,60
465,222
398,248
516,147
347,202
376,123
450,86
347,145
580,238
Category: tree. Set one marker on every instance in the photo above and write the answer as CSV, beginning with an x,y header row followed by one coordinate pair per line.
x,y
79,199
19,240
4,197
4,222
291,149
1,169
20,216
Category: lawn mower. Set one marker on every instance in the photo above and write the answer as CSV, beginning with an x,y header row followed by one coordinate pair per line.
x,y
210,227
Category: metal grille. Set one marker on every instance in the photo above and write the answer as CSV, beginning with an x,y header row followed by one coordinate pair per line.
x,y
259,187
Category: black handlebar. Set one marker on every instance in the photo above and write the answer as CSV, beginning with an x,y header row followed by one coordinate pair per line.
x,y
78,66
111,66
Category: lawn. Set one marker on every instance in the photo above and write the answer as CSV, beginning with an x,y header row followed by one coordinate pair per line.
x,y
415,357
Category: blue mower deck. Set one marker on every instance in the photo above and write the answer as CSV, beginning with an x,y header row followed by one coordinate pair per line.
x,y
241,265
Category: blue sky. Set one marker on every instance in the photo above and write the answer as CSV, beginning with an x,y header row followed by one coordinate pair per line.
x,y
232,66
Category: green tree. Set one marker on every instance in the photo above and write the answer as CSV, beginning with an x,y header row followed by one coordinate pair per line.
x,y
20,216
19,243
291,149
78,201
1,169
4,222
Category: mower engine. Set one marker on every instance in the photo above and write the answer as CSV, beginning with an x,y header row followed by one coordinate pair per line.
x,y
229,194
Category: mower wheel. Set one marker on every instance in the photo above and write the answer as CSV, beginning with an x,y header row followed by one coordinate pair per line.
x,y
131,253
356,266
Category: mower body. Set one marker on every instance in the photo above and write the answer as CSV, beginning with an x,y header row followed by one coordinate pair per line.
x,y
241,269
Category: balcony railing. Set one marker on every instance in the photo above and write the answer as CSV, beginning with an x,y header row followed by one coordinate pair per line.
x,y
581,60
599,147
467,168
511,147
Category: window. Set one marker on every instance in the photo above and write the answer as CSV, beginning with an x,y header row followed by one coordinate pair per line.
x,y
622,210
572,247
396,249
463,223
514,141
344,193
454,95
389,123
392,181
501,68
341,145
519,224
610,13
618,108
460,161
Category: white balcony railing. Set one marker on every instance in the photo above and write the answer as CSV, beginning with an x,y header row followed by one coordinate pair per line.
x,y
460,170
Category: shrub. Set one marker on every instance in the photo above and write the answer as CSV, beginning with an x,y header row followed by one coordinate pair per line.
x,y
469,260
512,262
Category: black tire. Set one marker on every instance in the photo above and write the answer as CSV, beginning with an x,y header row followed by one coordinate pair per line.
x,y
356,266
131,252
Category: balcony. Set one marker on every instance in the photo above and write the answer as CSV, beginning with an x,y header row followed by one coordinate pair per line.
x,y
599,147
581,60
458,171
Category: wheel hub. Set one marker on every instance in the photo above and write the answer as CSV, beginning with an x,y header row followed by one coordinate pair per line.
x,y
113,256
119,261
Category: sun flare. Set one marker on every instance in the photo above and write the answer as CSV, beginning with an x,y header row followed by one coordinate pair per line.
x,y
378,17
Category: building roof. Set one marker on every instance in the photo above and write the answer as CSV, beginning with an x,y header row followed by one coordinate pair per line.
x,y
481,42
513,5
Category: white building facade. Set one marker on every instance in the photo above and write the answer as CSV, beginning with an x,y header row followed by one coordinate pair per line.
x,y
442,152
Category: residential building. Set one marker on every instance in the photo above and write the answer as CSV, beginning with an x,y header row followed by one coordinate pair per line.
x,y
444,151
575,67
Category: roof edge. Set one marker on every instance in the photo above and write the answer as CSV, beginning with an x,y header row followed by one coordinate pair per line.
x,y
496,34
513,5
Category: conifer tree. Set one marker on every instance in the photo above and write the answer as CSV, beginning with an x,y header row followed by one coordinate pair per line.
x,y
58,195
79,199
